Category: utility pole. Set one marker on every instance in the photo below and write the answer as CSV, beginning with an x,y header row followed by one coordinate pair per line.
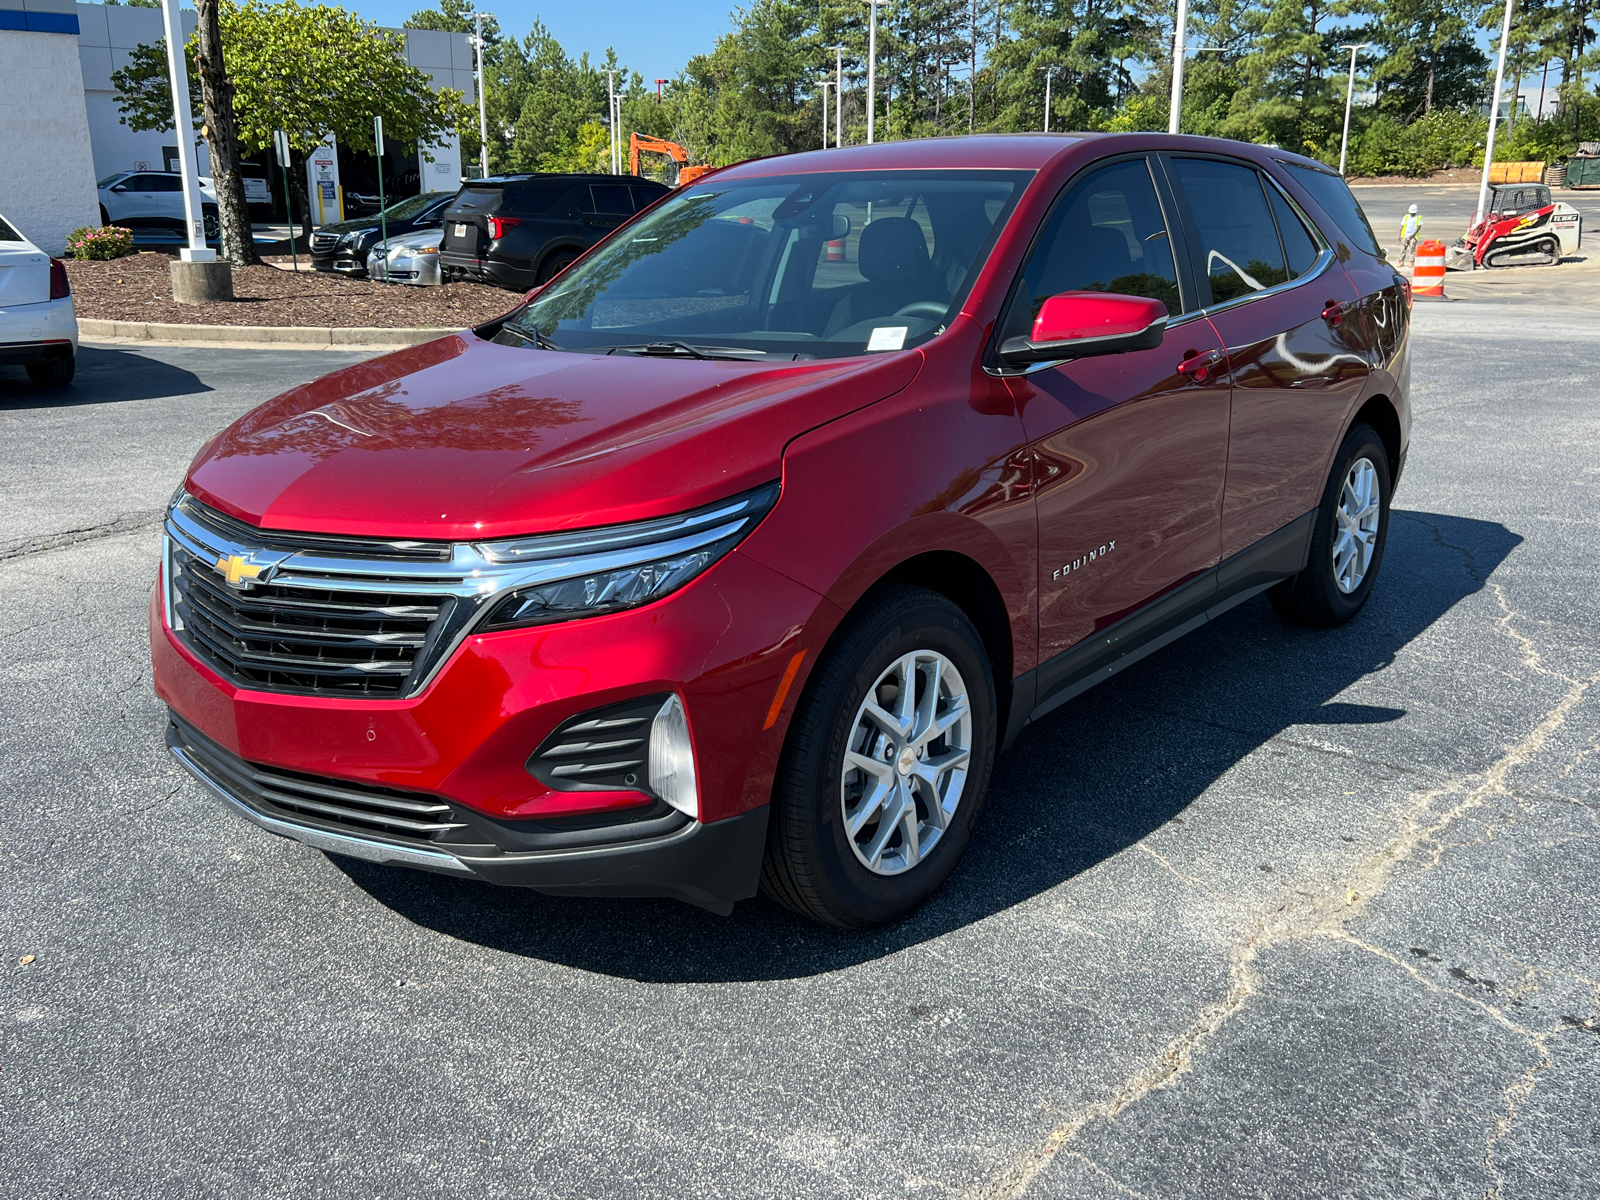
x,y
1180,39
1049,75
1349,95
611,118
872,65
1494,114
483,106
659,82
838,96
825,85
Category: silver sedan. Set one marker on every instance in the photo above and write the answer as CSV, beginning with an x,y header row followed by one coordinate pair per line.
x,y
409,258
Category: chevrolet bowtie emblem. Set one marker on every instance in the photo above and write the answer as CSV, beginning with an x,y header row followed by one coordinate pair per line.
x,y
235,570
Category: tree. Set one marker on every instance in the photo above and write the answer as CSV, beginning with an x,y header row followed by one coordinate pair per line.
x,y
309,70
220,130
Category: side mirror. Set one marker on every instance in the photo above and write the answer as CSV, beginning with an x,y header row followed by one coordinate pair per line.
x,y
841,227
120,188
1085,324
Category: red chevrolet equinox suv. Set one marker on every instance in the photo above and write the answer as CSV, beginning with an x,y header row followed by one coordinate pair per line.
x,y
734,555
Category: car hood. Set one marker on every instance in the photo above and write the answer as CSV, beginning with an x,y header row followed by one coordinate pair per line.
x,y
462,439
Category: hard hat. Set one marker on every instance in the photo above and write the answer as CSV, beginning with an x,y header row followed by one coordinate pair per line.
x,y
1412,209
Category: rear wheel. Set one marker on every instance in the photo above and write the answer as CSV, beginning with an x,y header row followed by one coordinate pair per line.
x,y
1347,544
55,372
213,224
555,263
886,763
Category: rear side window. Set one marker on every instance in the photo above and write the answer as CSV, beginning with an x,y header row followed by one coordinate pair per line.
x,y
471,199
610,199
644,197
163,183
8,234
1330,191
532,199
1298,244
1108,235
1238,238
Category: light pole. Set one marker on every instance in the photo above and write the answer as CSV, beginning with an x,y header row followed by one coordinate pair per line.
x,y
1049,74
825,85
178,77
1180,38
483,106
1349,95
611,119
1494,114
838,96
872,65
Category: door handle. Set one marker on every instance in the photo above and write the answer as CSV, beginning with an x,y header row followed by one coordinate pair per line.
x,y
1333,312
1201,365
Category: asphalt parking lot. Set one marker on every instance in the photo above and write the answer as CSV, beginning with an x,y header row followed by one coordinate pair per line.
x,y
1275,913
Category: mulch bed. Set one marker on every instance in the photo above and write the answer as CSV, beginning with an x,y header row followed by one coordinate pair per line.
x,y
1451,175
139,288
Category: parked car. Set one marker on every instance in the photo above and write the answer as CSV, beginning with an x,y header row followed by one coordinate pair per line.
x,y
343,247
257,192
734,559
520,231
38,326
412,259
148,200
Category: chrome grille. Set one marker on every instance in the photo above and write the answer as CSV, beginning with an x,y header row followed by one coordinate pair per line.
x,y
354,807
323,243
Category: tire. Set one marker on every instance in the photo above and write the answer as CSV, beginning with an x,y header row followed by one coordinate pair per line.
x,y
56,372
555,263
813,865
105,217
1333,588
212,223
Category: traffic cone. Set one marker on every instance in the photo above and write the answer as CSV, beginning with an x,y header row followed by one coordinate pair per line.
x,y
1427,274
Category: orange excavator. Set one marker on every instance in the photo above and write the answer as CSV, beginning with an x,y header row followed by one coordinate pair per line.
x,y
643,143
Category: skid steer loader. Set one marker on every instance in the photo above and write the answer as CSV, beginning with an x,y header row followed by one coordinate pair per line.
x,y
1523,227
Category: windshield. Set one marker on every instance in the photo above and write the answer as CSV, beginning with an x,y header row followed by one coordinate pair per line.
x,y
794,266
412,206
109,179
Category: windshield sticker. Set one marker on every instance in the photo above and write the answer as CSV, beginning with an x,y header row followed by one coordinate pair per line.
x,y
888,337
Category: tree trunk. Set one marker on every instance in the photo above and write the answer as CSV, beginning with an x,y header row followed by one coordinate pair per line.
x,y
222,138
1427,101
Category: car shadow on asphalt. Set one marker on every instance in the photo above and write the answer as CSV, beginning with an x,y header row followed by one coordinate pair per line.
x,y
1079,786
105,375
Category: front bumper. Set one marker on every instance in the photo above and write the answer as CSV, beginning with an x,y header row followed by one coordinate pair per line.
x,y
710,866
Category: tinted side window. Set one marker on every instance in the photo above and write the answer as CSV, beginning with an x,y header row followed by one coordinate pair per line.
x,y
164,183
1328,190
610,199
1238,240
8,234
533,198
644,197
1109,235
1297,242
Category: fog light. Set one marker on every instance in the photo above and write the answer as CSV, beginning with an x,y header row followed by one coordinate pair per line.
x,y
672,759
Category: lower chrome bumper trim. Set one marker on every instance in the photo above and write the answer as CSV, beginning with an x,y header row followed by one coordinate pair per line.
x,y
338,843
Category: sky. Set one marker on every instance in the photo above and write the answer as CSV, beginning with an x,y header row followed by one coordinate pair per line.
x,y
651,37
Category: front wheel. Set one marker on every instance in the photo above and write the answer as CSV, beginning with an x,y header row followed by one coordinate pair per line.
x,y
1347,544
886,763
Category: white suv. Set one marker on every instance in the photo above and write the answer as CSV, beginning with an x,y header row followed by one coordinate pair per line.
x,y
38,327
154,200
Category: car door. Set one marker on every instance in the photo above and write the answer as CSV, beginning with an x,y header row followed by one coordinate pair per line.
x,y
134,201
166,200
1129,449
1296,350
606,206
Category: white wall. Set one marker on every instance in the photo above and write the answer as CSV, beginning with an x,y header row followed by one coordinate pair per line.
x,y
47,184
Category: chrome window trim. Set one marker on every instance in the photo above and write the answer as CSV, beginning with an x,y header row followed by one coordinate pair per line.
x,y
470,577
1317,269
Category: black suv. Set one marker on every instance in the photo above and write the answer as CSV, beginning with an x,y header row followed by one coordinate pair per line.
x,y
343,247
518,231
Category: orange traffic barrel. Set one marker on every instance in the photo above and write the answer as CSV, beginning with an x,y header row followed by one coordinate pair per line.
x,y
1427,276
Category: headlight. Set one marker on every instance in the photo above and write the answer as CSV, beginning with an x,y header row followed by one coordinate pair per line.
x,y
356,236
621,566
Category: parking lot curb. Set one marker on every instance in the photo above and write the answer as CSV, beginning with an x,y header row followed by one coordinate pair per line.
x,y
266,335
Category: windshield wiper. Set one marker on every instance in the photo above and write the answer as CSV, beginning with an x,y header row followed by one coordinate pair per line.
x,y
685,350
529,333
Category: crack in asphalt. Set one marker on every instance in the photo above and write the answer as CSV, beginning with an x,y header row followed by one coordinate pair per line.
x,y
134,522
1419,831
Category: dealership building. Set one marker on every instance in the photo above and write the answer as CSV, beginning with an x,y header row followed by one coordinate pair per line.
x,y
60,129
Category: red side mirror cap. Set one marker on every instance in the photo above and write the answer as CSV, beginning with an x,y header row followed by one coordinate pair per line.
x,y
1084,324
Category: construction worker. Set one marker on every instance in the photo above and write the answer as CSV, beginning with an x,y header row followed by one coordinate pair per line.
x,y
1410,230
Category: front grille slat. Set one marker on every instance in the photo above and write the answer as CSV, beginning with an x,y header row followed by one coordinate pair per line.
x,y
316,633
353,807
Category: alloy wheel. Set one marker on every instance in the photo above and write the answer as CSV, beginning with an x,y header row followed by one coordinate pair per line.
x,y
1355,525
905,764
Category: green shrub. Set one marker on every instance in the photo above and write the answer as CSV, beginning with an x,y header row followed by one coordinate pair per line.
x,y
1443,138
101,242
